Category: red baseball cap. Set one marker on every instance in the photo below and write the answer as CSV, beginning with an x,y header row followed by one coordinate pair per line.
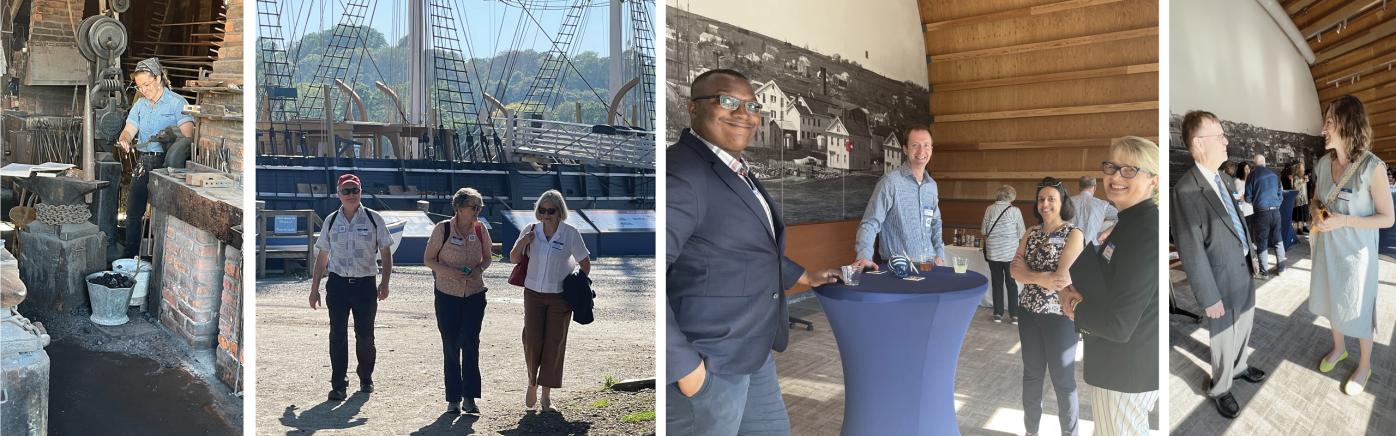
x,y
347,179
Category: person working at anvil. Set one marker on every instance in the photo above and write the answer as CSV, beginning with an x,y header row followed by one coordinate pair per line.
x,y
156,109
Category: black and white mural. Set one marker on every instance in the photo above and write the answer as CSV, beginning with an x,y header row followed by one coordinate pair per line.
x,y
831,125
1280,148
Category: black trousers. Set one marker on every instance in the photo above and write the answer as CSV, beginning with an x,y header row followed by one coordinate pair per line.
x,y
459,320
1001,278
136,201
345,296
1267,229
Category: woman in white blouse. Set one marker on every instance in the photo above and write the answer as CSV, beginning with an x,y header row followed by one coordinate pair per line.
x,y
553,249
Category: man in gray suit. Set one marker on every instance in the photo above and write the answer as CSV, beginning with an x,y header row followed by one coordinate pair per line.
x,y
1210,234
726,272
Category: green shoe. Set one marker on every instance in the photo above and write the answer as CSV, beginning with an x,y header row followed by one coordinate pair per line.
x,y
1352,387
1324,366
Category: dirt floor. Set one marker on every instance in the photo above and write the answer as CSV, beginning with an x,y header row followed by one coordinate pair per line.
x,y
133,379
293,367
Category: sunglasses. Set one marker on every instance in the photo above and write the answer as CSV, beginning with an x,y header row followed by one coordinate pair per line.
x,y
1110,168
731,103
349,191
547,210
1049,182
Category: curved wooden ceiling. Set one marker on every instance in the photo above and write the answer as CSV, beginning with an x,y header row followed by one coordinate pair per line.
x,y
1354,44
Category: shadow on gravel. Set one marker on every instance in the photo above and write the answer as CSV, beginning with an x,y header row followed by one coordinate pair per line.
x,y
549,422
328,415
449,423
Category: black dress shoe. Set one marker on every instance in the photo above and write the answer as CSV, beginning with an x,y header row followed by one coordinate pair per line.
x,y
1252,375
337,395
1279,269
468,406
366,388
1227,406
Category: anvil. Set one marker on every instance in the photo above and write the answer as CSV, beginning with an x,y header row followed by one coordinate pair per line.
x,y
61,190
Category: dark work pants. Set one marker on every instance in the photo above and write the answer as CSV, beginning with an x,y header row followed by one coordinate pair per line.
x,y
459,320
1001,278
357,296
136,201
1268,235
1049,345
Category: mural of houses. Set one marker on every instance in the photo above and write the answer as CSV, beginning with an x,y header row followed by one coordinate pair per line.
x,y
891,153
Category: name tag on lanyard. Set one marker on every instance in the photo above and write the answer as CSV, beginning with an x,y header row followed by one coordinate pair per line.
x,y
928,214
1108,252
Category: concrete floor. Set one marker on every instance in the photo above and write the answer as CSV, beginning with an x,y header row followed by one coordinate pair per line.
x,y
988,381
134,379
1287,341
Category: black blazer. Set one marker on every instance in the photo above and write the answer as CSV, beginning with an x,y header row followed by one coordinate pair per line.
x,y
725,274
576,289
1119,321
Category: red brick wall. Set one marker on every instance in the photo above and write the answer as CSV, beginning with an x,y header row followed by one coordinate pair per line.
x,y
216,133
228,357
50,22
228,67
191,283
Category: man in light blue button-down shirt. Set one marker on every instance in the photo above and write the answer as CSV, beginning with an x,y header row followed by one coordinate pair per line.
x,y
905,208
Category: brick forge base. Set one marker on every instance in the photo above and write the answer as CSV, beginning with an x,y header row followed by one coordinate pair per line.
x,y
227,363
191,283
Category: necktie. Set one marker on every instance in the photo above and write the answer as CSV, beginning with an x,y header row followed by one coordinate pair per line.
x,y
1230,210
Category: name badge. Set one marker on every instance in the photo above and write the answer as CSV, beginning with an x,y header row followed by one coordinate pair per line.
x,y
1108,252
1345,194
1057,240
557,245
341,228
928,212
362,230
471,238
456,240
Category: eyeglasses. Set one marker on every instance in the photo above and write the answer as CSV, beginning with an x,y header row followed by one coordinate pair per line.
x,y
547,210
1208,136
731,103
148,85
1128,172
1049,182
349,191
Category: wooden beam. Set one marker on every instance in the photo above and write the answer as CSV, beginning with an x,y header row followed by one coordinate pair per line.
x,y
1376,34
1050,112
1363,67
1048,45
1295,7
1352,28
1044,78
1030,11
1029,145
1012,175
1337,16
1381,78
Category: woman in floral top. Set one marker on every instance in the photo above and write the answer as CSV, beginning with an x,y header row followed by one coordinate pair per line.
x,y
1048,338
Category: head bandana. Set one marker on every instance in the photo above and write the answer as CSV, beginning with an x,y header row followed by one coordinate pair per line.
x,y
150,65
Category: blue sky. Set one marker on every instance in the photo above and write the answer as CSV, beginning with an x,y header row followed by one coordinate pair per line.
x,y
492,24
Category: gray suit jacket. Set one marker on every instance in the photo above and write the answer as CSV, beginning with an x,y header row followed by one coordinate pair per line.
x,y
725,273
1211,251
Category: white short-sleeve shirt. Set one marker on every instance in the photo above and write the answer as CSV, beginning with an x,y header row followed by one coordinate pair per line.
x,y
354,243
550,261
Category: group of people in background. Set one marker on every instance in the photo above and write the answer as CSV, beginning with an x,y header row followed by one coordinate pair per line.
x,y
458,253
1348,203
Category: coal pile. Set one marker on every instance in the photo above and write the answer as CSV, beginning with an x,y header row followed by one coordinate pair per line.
x,y
113,280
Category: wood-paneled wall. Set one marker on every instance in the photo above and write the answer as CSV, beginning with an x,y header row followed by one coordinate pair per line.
x,y
1354,44
1022,89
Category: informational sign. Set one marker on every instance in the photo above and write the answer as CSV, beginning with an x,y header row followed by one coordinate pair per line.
x,y
611,220
284,224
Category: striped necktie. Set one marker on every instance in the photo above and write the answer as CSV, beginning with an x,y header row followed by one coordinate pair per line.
x,y
1231,211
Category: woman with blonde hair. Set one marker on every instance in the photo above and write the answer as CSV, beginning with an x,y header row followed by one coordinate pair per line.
x,y
1119,319
1350,204
458,253
553,249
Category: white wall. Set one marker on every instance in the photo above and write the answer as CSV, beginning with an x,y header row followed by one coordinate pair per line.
x,y
1230,58
888,30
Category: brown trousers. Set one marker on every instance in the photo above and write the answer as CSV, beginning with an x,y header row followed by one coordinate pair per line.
x,y
546,318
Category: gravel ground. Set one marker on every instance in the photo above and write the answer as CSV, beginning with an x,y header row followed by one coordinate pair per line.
x,y
409,397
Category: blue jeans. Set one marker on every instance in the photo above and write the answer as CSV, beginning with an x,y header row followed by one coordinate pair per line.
x,y
726,404
459,320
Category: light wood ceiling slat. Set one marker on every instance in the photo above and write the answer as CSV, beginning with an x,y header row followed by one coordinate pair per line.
x,y
1014,13
1048,45
1337,16
1029,145
1050,112
1052,77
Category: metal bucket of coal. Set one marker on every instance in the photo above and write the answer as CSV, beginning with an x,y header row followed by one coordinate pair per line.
x,y
110,292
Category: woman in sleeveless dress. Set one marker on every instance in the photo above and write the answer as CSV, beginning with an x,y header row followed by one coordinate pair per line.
x,y
1348,210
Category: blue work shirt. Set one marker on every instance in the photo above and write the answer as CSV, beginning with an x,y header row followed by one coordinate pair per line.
x,y
1263,188
906,214
150,118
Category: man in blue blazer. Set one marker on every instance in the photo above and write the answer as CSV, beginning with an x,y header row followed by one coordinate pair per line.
x,y
726,271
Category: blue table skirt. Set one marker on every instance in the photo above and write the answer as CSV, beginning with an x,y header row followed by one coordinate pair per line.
x,y
1387,242
1287,219
899,342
